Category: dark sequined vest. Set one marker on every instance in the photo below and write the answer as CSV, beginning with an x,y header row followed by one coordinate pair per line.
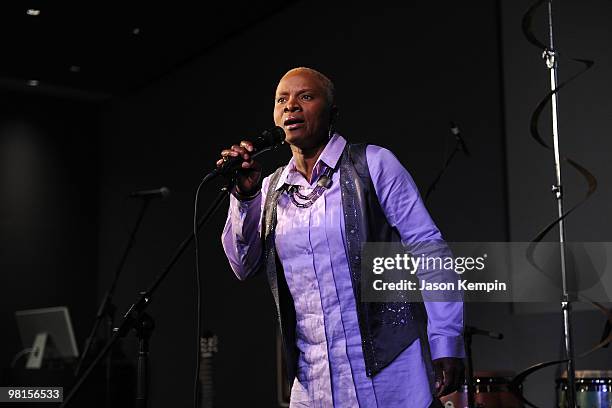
x,y
386,328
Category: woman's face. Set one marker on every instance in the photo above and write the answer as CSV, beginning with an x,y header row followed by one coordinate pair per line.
x,y
301,108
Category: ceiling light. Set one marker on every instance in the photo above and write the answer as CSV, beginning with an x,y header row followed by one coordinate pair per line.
x,y
75,68
33,12
33,82
136,31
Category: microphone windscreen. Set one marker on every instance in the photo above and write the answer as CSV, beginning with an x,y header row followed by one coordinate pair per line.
x,y
270,138
164,191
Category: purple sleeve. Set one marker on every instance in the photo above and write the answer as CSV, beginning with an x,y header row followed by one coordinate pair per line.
x,y
241,234
404,209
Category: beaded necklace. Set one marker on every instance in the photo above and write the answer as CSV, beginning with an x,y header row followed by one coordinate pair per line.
x,y
323,184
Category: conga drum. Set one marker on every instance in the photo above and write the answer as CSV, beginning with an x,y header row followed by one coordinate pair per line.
x,y
593,389
492,391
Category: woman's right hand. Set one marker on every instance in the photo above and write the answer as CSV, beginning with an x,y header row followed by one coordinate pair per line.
x,y
249,175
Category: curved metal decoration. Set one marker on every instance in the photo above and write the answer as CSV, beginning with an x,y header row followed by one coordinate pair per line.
x,y
526,25
535,134
518,380
606,339
551,56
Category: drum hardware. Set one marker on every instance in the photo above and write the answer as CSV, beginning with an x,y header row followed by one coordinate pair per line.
x,y
593,389
468,333
492,389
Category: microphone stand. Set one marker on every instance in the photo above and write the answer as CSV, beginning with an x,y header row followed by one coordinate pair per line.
x,y
468,333
550,57
107,309
471,387
136,318
459,146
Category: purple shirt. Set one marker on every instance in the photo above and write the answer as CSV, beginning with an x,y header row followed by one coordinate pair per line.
x,y
311,246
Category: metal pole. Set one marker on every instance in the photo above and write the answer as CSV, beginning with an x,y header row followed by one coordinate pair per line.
x,y
552,65
471,385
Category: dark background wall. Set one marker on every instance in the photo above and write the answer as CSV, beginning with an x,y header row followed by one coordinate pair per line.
x,y
48,210
402,73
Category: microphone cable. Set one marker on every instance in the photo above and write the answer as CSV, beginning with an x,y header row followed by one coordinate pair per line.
x,y
271,140
196,380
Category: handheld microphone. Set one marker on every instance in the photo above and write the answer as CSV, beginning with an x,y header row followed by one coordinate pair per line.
x,y
161,192
269,139
457,133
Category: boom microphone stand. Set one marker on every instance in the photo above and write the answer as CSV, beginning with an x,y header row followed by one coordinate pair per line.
x,y
107,309
459,146
468,333
136,318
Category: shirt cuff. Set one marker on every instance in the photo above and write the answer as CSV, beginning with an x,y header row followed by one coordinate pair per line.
x,y
447,346
244,198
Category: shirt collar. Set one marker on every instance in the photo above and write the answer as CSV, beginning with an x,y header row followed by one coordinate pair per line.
x,y
329,157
